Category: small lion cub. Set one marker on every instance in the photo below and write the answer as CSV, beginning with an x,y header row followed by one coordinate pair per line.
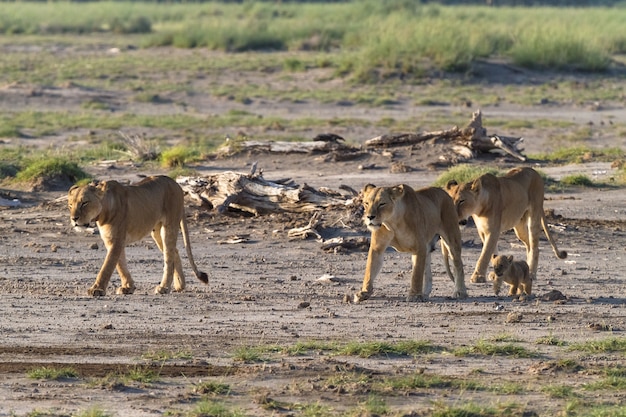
x,y
514,273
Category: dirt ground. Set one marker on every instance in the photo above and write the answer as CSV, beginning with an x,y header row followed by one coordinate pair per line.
x,y
266,292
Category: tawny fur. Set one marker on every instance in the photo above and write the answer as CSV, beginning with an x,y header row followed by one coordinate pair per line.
x,y
498,204
411,221
514,273
127,213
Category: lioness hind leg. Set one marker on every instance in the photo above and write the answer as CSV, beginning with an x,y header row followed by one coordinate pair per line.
x,y
170,254
179,276
453,250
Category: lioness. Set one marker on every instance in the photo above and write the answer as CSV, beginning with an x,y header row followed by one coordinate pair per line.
x,y
501,203
125,214
514,273
411,221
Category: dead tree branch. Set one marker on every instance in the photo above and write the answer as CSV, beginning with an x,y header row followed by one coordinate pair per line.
x,y
253,194
464,143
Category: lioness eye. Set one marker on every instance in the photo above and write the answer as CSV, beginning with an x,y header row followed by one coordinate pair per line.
x,y
83,204
461,202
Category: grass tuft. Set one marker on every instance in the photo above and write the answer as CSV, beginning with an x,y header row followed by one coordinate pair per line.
x,y
369,349
464,173
483,347
52,373
612,344
51,167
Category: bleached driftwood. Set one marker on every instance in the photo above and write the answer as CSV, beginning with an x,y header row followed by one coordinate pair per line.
x,y
308,230
465,142
283,147
253,194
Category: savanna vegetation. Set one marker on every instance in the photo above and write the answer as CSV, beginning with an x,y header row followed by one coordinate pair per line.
x,y
371,46
388,38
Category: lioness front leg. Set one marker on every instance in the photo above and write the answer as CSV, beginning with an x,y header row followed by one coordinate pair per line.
x,y
98,289
416,292
490,244
128,285
372,268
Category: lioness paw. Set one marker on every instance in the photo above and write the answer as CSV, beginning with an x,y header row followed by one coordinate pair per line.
x,y
478,278
415,298
460,294
125,290
361,296
96,292
161,290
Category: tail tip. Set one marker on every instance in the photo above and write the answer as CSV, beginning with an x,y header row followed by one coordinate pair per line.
x,y
202,276
562,254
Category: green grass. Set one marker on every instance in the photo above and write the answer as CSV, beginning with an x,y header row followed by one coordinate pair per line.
x,y
376,40
558,391
179,156
301,348
611,344
212,387
49,167
581,180
464,173
424,381
580,154
165,355
210,408
142,375
247,354
478,410
578,408
369,349
52,373
550,340
92,412
483,347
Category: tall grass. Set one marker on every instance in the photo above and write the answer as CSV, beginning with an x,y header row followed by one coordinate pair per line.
x,y
376,38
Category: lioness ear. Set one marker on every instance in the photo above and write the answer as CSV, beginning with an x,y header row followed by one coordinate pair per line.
x,y
367,188
450,184
99,185
494,256
397,191
510,258
476,185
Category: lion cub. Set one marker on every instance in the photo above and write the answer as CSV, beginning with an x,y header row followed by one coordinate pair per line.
x,y
514,273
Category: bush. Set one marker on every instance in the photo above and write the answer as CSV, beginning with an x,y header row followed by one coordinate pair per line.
x,y
48,168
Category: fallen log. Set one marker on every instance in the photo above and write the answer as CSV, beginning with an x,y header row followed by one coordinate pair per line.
x,y
463,143
316,146
251,193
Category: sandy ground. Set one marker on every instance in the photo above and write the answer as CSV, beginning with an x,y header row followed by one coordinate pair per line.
x,y
266,292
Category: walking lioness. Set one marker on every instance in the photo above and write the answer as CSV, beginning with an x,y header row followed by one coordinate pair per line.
x,y
498,204
410,221
125,214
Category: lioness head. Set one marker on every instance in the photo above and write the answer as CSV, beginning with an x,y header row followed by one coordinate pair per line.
x,y
84,203
379,204
465,197
501,263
